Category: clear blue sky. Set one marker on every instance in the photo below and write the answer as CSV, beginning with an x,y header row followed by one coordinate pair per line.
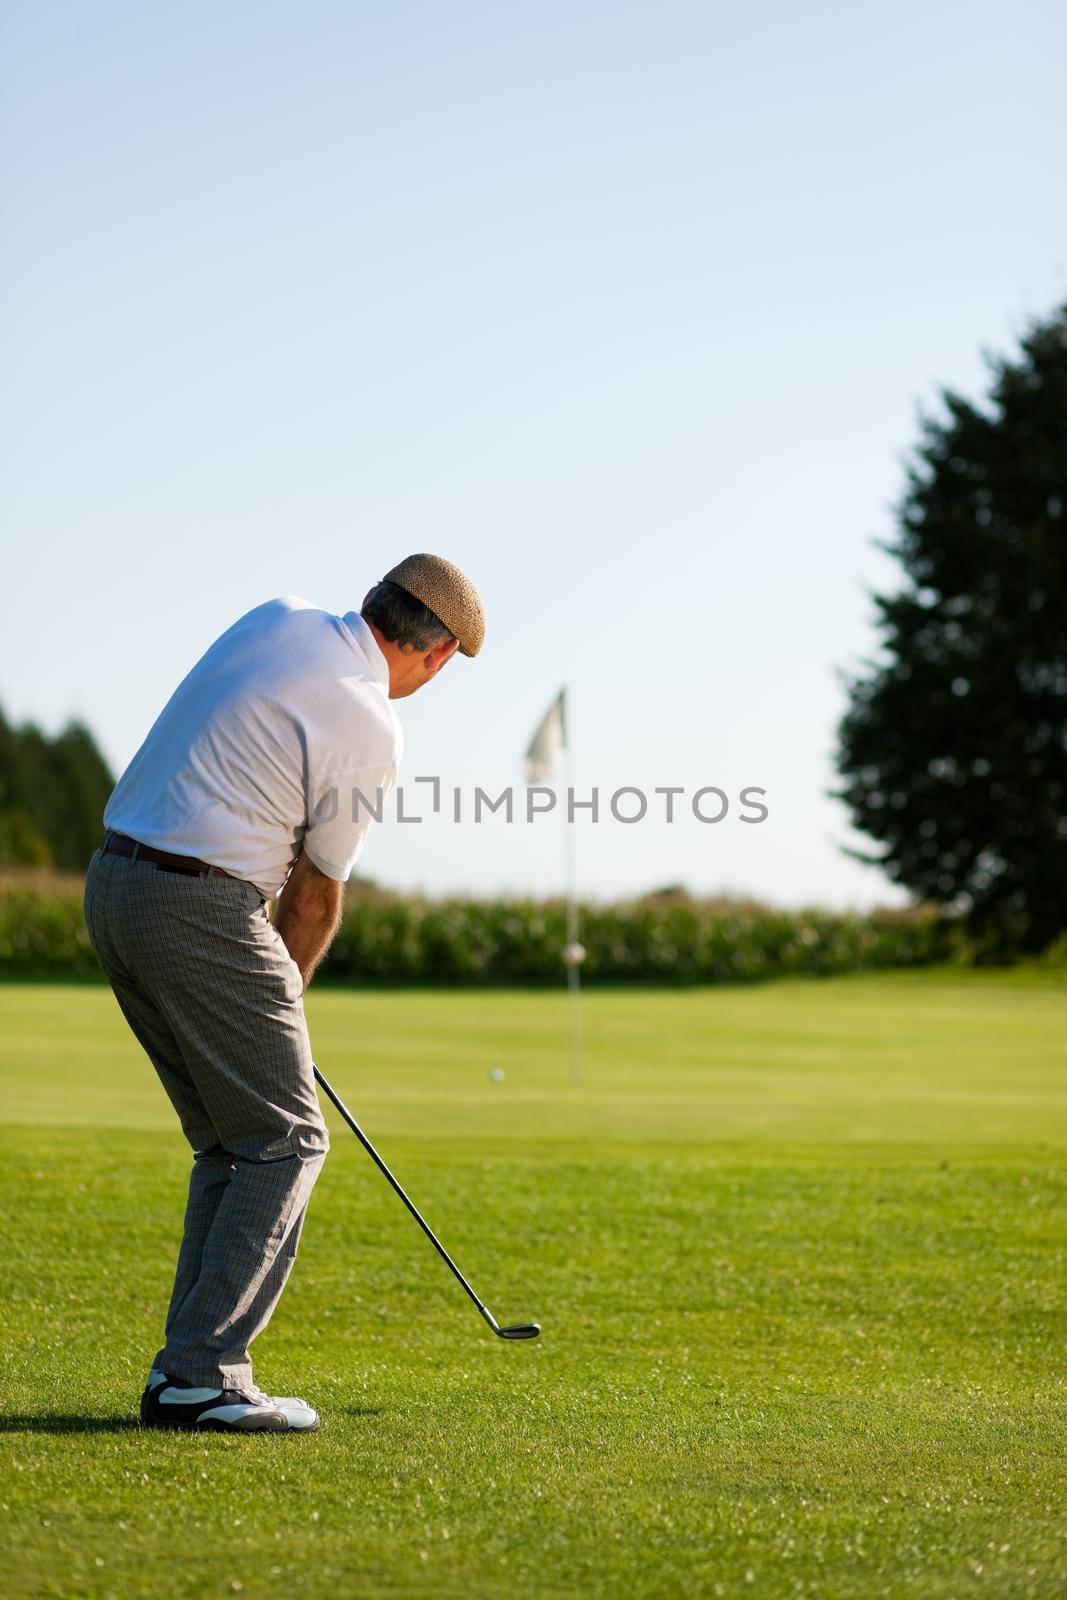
x,y
627,309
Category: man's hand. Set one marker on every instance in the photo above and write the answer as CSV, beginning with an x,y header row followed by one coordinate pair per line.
x,y
309,914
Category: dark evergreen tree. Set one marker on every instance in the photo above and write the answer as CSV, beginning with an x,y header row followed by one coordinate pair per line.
x,y
954,747
52,796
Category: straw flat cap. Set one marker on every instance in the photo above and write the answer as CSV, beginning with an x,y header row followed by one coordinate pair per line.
x,y
448,593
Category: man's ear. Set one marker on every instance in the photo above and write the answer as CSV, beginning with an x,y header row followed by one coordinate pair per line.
x,y
442,653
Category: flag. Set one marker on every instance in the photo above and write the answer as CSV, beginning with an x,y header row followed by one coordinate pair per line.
x,y
550,738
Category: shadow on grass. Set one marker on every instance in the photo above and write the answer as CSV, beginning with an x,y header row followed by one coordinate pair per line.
x,y
42,1423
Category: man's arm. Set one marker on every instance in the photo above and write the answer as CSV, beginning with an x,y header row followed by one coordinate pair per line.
x,y
309,914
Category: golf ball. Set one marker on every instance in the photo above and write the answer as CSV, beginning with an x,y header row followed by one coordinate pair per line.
x,y
497,1075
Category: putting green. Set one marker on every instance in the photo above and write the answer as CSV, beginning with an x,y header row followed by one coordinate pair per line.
x,y
797,1251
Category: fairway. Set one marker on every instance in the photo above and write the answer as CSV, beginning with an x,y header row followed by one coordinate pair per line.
x,y
797,1251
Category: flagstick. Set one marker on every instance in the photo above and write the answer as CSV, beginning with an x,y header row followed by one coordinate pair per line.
x,y
551,739
572,956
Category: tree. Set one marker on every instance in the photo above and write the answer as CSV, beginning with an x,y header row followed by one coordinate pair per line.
x,y
52,796
954,746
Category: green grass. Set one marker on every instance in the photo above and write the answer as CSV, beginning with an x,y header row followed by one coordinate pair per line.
x,y
797,1250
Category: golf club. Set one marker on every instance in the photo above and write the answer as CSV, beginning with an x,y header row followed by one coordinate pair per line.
x,y
518,1330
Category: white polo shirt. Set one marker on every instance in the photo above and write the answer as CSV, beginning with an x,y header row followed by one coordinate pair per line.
x,y
266,746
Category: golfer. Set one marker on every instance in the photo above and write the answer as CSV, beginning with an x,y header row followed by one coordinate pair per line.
x,y
258,777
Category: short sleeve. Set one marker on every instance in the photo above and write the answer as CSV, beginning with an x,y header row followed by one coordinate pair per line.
x,y
340,813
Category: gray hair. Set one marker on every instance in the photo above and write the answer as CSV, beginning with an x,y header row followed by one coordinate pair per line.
x,y
402,619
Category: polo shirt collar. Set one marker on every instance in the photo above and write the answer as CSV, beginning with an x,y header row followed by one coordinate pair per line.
x,y
370,647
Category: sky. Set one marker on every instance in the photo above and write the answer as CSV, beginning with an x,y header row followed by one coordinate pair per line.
x,y
630,310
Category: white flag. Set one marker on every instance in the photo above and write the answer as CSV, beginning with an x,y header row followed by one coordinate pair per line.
x,y
550,737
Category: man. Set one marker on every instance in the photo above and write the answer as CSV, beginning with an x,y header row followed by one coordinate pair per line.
x,y
258,776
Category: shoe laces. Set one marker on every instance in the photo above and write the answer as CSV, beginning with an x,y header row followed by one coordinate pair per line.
x,y
262,1399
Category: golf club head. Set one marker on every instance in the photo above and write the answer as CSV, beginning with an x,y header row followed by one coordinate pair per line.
x,y
520,1330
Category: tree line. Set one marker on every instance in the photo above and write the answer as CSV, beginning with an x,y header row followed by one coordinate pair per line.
x,y
52,796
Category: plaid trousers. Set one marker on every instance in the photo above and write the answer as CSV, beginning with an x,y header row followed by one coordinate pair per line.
x,y
205,982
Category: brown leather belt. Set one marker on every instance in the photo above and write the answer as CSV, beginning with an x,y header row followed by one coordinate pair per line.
x,y
120,844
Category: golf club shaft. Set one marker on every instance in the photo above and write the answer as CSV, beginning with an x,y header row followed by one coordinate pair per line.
x,y
336,1100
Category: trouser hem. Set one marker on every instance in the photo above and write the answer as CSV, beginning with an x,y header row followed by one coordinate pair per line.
x,y
205,1374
